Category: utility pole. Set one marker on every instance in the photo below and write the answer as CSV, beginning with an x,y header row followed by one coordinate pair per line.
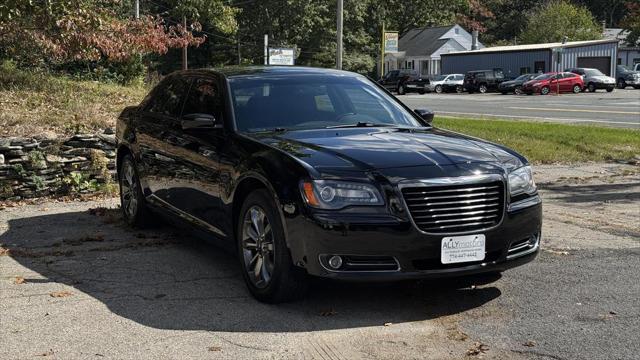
x,y
184,47
266,49
239,55
382,52
137,9
339,32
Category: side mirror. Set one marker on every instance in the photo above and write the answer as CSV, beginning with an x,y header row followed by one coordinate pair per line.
x,y
425,114
199,121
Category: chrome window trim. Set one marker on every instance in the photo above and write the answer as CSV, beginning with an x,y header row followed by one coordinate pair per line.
x,y
459,180
398,269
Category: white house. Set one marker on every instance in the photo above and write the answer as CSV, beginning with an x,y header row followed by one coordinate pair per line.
x,y
420,48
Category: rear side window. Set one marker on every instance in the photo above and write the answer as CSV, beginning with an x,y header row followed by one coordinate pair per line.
x,y
204,98
168,99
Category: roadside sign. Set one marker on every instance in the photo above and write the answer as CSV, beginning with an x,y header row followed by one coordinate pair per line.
x,y
281,56
390,42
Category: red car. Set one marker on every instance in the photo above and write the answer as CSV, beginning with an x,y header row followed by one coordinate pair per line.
x,y
554,82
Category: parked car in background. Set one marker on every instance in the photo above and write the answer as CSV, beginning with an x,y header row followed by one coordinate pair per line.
x,y
483,80
626,76
317,172
636,67
594,79
403,81
446,83
554,82
515,85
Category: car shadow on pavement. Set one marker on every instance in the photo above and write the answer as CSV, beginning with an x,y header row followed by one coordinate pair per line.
x,y
584,193
167,280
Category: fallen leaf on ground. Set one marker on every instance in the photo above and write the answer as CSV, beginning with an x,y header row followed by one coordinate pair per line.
x,y
329,312
19,280
61,294
557,252
215,348
477,348
388,324
529,343
4,251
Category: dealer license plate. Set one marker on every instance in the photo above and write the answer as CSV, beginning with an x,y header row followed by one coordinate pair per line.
x,y
459,249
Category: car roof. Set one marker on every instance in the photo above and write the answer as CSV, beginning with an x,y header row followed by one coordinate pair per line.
x,y
266,70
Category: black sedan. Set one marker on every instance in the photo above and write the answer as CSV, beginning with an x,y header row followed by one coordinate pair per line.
x,y
303,171
515,85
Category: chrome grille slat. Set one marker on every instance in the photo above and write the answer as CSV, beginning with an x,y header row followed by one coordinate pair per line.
x,y
456,207
456,214
453,196
455,190
459,202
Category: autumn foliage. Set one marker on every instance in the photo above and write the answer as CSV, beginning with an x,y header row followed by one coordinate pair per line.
x,y
79,30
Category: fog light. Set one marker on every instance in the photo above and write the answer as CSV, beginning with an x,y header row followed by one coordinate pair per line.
x,y
335,262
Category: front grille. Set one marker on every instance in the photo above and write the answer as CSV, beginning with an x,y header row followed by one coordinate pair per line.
x,y
455,208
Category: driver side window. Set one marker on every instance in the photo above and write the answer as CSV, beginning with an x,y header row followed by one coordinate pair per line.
x,y
204,98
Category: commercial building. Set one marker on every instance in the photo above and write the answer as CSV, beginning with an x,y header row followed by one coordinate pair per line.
x,y
520,59
627,54
420,49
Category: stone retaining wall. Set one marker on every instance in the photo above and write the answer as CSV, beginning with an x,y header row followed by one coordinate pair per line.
x,y
35,167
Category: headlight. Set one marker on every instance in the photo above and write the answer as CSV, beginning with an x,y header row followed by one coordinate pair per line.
x,y
330,194
521,181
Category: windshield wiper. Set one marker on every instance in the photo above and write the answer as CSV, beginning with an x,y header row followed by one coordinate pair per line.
x,y
358,124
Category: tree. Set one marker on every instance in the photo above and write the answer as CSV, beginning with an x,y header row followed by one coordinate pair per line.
x,y
557,19
631,22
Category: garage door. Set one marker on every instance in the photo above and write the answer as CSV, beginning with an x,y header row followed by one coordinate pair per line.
x,y
601,63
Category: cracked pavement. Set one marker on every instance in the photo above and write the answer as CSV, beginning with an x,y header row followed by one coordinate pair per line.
x,y
75,282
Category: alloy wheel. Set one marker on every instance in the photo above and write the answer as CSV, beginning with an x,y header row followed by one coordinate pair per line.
x,y
621,84
482,89
545,90
438,89
459,89
576,89
592,88
400,90
258,247
128,189
518,90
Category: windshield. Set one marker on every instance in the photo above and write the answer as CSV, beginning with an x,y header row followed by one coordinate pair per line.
x,y
309,101
593,72
439,77
544,76
624,67
523,77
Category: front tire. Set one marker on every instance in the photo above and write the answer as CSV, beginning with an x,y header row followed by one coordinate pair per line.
x,y
577,89
132,202
459,89
438,89
483,88
545,90
591,87
401,89
622,84
266,262
518,90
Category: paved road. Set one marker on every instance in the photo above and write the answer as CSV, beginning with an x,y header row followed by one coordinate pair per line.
x,y
620,108
77,283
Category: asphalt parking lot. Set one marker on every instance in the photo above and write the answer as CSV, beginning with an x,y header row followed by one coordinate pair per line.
x,y
620,108
75,282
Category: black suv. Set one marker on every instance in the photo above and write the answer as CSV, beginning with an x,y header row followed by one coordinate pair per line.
x,y
483,80
625,76
404,81
303,171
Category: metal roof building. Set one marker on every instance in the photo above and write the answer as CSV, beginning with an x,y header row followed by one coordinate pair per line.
x,y
521,59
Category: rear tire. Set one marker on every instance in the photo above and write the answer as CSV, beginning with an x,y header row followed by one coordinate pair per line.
x,y
132,201
518,90
265,259
459,89
591,87
621,84
609,89
482,88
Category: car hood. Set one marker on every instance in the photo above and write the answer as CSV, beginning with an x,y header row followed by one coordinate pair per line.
x,y
602,78
366,149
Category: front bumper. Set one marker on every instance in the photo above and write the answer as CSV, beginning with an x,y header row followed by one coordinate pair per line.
x,y
417,254
603,85
416,87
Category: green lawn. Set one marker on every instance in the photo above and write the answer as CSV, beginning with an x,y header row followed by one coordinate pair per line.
x,y
550,142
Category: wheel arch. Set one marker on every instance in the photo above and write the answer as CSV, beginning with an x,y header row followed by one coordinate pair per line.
x,y
123,150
